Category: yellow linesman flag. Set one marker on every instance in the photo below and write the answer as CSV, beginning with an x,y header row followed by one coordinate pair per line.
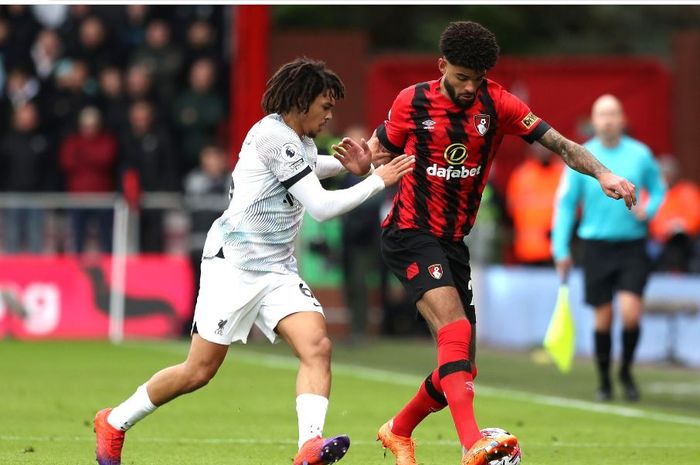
x,y
560,340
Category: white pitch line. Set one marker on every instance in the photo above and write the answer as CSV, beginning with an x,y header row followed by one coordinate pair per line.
x,y
360,442
386,376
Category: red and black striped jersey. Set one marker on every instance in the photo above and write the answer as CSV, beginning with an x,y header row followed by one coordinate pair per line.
x,y
454,149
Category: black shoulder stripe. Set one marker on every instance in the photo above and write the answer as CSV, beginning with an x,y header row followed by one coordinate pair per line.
x,y
294,179
537,133
384,139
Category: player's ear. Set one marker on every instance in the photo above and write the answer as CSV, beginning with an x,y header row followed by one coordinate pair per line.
x,y
442,64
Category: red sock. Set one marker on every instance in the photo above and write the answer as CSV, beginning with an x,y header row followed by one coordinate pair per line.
x,y
427,400
456,379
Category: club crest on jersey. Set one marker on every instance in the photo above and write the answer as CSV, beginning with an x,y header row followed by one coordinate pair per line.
x,y
289,150
435,271
482,123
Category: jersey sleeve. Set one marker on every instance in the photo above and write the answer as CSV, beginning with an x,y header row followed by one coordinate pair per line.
x,y
283,157
393,132
654,183
516,118
568,195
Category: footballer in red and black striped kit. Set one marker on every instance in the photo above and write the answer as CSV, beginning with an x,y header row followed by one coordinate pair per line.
x,y
454,126
454,140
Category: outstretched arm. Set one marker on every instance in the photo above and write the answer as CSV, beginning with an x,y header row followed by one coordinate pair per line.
x,y
323,204
583,161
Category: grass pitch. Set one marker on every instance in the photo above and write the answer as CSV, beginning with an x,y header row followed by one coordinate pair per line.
x,y
50,391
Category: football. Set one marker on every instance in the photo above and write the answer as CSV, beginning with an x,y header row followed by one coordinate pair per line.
x,y
511,459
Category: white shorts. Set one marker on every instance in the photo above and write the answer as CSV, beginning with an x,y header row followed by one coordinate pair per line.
x,y
231,300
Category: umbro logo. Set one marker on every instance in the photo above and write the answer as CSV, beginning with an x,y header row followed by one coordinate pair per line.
x,y
428,124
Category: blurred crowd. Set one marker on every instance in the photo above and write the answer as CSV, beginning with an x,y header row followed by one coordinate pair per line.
x,y
127,98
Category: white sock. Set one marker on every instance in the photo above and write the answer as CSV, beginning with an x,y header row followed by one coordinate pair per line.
x,y
311,413
133,409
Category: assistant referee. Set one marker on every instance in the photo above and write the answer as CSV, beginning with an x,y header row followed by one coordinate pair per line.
x,y
614,257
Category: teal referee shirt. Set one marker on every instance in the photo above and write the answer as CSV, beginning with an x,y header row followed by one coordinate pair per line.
x,y
602,217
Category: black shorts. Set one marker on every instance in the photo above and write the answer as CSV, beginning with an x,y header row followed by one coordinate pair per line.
x,y
423,262
610,266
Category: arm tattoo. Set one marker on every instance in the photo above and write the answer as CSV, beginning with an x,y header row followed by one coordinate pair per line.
x,y
573,154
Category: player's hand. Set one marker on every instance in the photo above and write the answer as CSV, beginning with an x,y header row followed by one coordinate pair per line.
x,y
380,155
356,158
396,169
617,187
563,267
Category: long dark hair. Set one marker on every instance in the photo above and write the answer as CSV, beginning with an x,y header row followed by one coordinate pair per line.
x,y
297,84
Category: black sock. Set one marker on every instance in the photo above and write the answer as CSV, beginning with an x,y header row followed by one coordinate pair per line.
x,y
603,341
630,338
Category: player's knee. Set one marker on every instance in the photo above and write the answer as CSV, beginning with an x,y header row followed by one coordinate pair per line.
x,y
318,350
200,376
449,316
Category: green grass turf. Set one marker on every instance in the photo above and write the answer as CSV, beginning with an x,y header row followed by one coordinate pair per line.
x,y
49,392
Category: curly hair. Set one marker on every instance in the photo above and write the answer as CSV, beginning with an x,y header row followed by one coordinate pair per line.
x,y
469,44
297,84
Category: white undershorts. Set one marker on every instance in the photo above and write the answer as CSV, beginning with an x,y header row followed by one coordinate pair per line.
x,y
231,300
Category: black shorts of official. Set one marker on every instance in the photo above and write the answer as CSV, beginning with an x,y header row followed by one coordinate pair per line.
x,y
423,262
610,266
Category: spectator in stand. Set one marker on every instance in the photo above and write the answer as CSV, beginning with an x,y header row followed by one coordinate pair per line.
x,y
45,54
25,166
530,201
4,48
74,91
675,229
111,99
203,185
20,87
23,30
161,58
88,160
201,43
133,32
149,167
140,87
10,54
198,112
70,29
94,46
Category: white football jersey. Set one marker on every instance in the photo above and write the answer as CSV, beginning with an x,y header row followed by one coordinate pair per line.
x,y
258,229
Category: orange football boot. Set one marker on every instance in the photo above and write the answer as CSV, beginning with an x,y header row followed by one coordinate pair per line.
x,y
109,440
487,449
403,448
322,451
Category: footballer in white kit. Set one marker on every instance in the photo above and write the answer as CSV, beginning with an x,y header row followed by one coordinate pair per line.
x,y
249,273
